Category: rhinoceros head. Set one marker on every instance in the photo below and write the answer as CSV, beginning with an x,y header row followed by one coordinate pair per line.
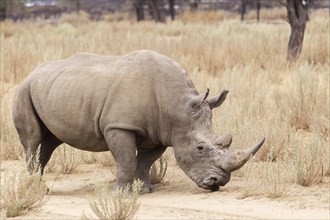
x,y
202,155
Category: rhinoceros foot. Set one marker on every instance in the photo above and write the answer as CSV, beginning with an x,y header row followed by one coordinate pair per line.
x,y
148,188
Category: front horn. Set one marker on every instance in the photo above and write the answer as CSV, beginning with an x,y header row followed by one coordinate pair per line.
x,y
233,160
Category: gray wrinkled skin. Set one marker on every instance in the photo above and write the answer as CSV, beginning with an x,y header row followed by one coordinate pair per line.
x,y
135,106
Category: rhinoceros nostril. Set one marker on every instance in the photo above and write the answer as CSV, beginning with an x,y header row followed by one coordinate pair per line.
x,y
214,179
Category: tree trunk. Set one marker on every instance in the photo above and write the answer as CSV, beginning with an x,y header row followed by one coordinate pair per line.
x,y
297,16
138,5
78,6
157,10
3,12
172,9
258,10
194,5
243,9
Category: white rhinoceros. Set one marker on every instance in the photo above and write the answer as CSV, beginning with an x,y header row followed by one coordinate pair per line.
x,y
135,106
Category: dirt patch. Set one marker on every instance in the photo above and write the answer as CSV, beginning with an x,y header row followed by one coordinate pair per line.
x,y
177,198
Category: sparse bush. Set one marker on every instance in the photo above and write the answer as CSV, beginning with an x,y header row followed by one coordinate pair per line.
x,y
251,181
22,192
277,135
308,161
119,204
271,179
275,179
68,160
158,170
308,100
88,157
105,159
64,160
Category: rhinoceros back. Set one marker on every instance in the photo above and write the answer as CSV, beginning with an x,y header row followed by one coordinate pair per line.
x,y
81,97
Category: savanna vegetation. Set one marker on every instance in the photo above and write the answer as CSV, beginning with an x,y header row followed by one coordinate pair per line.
x,y
288,103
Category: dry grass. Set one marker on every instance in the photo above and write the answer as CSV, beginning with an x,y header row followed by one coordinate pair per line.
x,y
21,192
65,160
288,104
309,162
271,179
10,146
251,181
105,159
276,181
119,204
158,170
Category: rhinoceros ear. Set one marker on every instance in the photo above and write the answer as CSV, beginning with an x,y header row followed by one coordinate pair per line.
x,y
218,100
196,102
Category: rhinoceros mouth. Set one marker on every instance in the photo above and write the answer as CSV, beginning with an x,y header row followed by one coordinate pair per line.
x,y
208,187
213,182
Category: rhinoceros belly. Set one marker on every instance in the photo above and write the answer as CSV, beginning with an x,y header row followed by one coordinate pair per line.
x,y
71,111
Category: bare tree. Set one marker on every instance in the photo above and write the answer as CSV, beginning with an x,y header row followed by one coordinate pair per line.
x,y
78,6
245,3
297,16
11,9
194,5
138,5
172,8
157,10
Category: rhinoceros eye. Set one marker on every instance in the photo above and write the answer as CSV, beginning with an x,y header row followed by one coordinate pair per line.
x,y
200,149
194,109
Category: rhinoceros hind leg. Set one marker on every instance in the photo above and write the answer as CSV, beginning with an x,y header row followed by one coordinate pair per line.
x,y
122,145
28,125
48,145
144,161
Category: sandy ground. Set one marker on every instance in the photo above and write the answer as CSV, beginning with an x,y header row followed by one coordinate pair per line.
x,y
178,198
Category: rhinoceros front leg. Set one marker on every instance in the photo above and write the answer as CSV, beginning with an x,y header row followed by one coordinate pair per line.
x,y
144,161
122,145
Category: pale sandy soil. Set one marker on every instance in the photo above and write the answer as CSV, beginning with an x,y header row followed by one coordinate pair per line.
x,y
178,198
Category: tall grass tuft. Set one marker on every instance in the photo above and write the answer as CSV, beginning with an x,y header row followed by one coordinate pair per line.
x,y
22,192
119,204
64,160
88,157
309,162
251,181
105,159
276,181
158,170
68,160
